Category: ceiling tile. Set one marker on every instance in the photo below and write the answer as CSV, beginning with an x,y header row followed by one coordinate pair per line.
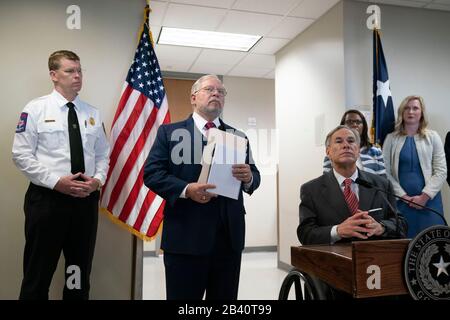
x,y
220,56
248,23
157,13
312,8
211,68
176,53
249,72
193,17
155,32
280,7
269,45
438,6
270,75
405,3
290,27
258,61
207,3
175,66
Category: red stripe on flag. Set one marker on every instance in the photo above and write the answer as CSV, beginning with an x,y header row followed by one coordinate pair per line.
x,y
125,134
156,221
131,161
123,101
143,212
132,197
166,118
159,215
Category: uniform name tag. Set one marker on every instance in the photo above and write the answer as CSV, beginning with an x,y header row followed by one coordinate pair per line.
x,y
51,120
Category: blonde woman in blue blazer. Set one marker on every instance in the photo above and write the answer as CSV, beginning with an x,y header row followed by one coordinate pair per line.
x,y
415,164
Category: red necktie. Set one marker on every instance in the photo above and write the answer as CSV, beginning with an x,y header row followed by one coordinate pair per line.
x,y
350,196
209,125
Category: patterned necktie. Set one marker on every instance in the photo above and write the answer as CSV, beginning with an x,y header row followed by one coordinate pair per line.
x,y
350,196
76,145
209,125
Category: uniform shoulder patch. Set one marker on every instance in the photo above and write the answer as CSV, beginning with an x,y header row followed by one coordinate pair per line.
x,y
22,125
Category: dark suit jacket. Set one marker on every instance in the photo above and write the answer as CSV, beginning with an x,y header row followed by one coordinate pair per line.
x,y
190,227
323,206
447,155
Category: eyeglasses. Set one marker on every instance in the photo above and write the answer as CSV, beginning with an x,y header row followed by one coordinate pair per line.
x,y
350,122
210,90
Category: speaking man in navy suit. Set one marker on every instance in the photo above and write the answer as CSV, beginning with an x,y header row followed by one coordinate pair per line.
x,y
203,234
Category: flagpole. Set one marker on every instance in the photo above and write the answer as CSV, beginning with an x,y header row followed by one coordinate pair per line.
x,y
374,122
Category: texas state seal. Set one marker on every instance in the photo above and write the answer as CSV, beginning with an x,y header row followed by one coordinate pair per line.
x,y
427,264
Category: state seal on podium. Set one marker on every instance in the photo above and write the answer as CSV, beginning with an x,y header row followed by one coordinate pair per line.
x,y
427,264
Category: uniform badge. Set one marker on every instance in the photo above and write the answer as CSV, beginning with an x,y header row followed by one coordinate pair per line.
x,y
91,121
22,124
427,264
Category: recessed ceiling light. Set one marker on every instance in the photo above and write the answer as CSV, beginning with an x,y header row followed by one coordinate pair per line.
x,y
207,39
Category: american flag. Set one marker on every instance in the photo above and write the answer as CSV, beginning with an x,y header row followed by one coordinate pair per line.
x,y
142,109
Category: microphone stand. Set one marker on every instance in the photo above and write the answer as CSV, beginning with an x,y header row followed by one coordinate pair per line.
x,y
394,211
370,186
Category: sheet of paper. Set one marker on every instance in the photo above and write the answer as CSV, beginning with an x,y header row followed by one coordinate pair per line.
x,y
228,149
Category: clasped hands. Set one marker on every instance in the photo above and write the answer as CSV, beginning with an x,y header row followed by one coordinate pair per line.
x,y
420,199
360,225
77,188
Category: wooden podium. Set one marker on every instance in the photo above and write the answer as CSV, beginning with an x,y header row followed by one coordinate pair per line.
x,y
345,266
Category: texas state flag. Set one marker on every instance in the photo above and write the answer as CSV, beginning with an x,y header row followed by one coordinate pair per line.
x,y
383,108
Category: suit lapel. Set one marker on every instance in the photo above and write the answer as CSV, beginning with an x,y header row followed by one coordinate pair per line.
x,y
334,196
366,195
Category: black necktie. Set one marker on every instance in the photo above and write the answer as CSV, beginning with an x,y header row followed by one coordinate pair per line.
x,y
76,145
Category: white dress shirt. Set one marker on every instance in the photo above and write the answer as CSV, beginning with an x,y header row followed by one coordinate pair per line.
x,y
41,148
354,186
200,122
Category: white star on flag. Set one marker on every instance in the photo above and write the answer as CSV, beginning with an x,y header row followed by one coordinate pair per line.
x,y
384,91
442,267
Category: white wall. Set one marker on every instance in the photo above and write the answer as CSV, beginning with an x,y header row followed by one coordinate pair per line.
x,y
310,98
255,98
416,44
29,32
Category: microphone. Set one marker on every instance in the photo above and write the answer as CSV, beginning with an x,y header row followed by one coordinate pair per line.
x,y
369,185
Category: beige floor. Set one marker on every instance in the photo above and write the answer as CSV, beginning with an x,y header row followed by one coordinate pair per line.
x,y
260,277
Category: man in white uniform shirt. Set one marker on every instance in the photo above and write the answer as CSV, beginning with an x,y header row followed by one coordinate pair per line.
x,y
61,147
